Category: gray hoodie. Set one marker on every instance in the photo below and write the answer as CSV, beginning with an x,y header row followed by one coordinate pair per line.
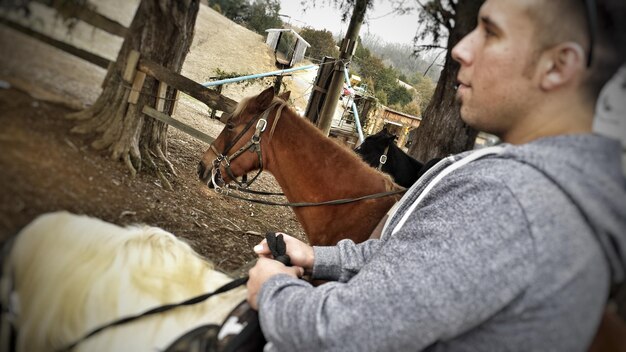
x,y
513,251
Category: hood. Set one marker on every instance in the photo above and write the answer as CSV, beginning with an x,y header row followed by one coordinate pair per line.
x,y
588,170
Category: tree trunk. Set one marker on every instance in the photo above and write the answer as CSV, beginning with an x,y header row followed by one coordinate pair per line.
x,y
162,31
442,132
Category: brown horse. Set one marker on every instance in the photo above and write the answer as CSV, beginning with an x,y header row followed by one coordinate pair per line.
x,y
307,165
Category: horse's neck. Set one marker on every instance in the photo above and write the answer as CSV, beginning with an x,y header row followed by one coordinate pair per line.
x,y
400,155
311,167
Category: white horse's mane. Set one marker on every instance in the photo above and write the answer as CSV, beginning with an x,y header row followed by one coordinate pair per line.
x,y
75,273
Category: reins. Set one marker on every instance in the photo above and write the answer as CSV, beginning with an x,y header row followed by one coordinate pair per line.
x,y
308,204
161,309
276,245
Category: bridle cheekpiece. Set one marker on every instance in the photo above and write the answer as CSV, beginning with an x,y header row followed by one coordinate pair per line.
x,y
253,145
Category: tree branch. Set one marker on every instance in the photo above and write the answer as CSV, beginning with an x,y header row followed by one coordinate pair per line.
x,y
426,10
430,47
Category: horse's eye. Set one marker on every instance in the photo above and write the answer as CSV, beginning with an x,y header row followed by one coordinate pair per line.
x,y
230,126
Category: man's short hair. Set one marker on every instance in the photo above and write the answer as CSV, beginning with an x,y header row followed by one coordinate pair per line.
x,y
567,20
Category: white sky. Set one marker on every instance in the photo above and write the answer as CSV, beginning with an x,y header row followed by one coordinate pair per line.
x,y
390,28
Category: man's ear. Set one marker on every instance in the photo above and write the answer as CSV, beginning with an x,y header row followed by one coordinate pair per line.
x,y
562,65
264,99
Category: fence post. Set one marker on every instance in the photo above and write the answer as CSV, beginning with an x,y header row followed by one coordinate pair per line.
x,y
320,88
135,91
218,89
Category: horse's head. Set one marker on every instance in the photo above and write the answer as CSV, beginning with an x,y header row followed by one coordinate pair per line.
x,y
374,146
238,148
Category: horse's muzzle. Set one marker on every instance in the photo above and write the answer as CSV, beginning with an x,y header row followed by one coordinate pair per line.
x,y
204,173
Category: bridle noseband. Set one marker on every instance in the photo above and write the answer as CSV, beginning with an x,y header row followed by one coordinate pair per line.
x,y
253,145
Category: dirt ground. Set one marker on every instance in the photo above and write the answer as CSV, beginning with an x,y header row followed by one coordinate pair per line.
x,y
44,167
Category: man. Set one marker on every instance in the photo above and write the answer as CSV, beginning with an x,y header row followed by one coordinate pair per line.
x,y
508,248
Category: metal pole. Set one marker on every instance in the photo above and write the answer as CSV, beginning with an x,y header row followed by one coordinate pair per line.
x,y
258,75
354,110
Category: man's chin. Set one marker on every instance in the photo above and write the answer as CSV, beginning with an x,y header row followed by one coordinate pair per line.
x,y
467,117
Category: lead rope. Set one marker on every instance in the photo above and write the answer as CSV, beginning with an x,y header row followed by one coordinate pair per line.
x,y
277,246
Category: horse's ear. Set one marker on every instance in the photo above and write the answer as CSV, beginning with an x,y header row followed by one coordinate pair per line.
x,y
264,99
285,95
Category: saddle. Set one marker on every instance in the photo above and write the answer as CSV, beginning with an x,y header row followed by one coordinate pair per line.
x,y
240,332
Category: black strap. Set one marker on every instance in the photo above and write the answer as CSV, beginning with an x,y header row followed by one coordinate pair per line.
x,y
229,286
251,191
310,204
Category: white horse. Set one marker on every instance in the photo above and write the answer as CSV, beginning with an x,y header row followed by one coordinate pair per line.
x,y
70,274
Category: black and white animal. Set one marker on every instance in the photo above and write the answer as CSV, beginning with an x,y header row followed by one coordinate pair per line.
x,y
380,151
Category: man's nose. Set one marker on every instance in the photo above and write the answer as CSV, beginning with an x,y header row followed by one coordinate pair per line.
x,y
461,52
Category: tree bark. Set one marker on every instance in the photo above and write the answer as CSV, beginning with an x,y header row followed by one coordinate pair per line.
x,y
162,31
442,132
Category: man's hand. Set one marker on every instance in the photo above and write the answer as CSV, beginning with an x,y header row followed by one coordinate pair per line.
x,y
300,253
263,270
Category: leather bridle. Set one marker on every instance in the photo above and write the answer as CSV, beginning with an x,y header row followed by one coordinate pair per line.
x,y
383,159
253,145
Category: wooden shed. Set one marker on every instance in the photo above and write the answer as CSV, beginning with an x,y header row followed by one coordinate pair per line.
x,y
396,122
288,46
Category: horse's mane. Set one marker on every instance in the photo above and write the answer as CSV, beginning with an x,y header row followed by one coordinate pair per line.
x,y
243,103
96,272
342,149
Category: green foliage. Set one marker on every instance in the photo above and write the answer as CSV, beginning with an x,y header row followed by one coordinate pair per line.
x,y
217,8
384,79
322,43
411,108
220,75
402,56
257,16
233,9
262,15
399,95
424,87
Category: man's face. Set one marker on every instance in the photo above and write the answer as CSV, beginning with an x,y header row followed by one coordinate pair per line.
x,y
495,81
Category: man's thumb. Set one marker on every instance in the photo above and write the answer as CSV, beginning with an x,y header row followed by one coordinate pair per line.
x,y
261,248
